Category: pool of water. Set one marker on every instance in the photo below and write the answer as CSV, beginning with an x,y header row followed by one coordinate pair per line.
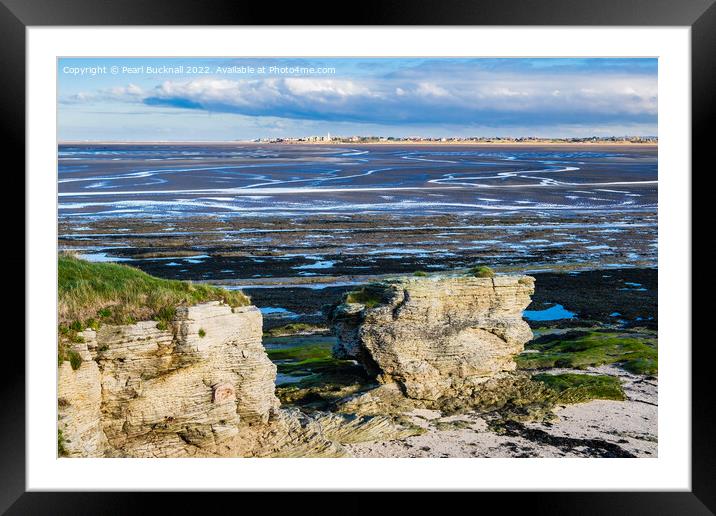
x,y
277,311
553,313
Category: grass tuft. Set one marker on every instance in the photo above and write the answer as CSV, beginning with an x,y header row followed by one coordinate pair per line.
x,y
75,360
61,451
104,313
119,294
420,273
202,332
482,271
93,324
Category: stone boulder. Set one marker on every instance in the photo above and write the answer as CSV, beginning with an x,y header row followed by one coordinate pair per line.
x,y
435,337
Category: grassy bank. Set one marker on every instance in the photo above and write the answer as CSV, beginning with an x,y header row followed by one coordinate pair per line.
x,y
90,293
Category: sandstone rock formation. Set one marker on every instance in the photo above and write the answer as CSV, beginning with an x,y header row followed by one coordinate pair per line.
x,y
141,391
79,404
434,338
202,387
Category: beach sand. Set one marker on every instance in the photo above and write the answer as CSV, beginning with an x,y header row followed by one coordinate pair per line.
x,y
599,428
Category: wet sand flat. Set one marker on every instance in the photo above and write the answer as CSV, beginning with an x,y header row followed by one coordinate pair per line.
x,y
250,179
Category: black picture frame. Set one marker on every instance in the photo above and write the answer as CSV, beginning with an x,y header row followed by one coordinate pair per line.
x,y
16,15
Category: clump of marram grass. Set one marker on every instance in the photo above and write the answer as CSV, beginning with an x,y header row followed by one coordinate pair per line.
x,y
578,388
420,273
77,338
94,293
75,360
202,332
482,271
66,353
104,313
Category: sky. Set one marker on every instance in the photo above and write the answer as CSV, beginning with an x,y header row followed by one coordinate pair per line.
x,y
175,99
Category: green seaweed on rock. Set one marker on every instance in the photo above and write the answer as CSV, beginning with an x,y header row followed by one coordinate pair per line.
x,y
578,388
581,349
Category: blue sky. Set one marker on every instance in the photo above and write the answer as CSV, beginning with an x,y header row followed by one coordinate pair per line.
x,y
156,99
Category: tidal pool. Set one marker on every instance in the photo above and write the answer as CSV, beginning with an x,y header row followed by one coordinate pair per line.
x,y
553,313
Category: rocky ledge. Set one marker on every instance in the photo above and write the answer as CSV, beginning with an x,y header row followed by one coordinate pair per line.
x,y
199,386
173,391
437,340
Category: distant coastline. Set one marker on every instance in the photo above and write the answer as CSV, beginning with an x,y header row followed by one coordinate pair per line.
x,y
392,142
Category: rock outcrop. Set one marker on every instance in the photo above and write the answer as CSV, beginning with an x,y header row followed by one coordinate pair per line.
x,y
201,387
435,338
79,404
141,391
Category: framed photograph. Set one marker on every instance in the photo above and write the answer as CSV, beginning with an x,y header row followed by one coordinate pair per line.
x,y
445,249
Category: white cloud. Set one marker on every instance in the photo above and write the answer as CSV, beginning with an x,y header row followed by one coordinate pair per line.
x,y
472,96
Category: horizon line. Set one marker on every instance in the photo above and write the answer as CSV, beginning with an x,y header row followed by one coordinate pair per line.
x,y
381,139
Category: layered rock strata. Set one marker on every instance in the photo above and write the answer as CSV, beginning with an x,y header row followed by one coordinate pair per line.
x,y
143,391
202,387
435,338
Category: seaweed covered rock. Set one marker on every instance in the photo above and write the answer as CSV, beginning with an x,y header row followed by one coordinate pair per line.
x,y
437,337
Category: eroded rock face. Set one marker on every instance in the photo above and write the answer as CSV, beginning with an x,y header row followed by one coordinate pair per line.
x,y
188,390
202,388
435,337
79,402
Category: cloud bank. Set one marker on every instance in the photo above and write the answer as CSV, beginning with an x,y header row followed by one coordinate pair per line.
x,y
446,93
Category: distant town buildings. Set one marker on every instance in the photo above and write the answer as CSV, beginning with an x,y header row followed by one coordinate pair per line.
x,y
476,139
